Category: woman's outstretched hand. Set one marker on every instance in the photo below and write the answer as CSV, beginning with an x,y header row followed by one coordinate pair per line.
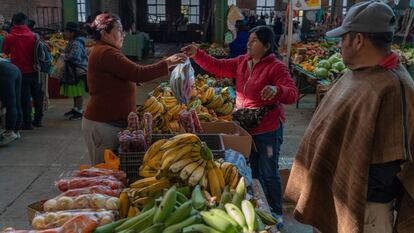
x,y
175,59
190,50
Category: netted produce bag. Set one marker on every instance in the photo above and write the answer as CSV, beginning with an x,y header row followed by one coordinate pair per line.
x,y
49,220
84,201
182,81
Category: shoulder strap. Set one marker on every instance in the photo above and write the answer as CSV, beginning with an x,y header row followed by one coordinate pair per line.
x,y
407,151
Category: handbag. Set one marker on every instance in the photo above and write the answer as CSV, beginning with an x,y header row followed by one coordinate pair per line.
x,y
250,118
72,73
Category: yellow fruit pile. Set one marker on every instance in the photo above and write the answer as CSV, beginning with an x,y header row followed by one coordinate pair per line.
x,y
185,159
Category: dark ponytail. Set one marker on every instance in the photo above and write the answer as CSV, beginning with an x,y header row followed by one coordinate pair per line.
x,y
266,36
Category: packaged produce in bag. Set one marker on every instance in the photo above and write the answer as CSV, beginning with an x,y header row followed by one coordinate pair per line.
x,y
78,224
133,121
99,189
182,81
93,172
186,121
84,201
83,182
56,219
196,121
148,128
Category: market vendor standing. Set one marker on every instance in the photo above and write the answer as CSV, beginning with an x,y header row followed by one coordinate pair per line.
x,y
355,163
112,79
262,81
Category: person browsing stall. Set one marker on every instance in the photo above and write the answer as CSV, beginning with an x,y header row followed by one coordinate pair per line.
x,y
263,86
112,80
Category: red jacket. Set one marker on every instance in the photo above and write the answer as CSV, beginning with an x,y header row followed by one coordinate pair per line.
x,y
250,82
20,45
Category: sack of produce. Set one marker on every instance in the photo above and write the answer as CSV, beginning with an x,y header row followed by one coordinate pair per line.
x,y
84,201
93,172
99,189
83,182
49,220
182,81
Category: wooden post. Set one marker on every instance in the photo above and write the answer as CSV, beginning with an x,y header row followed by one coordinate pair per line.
x,y
290,32
407,30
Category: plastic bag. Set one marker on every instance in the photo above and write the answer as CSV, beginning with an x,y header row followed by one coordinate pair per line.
x,y
93,172
99,189
182,81
84,201
78,224
83,182
56,219
58,68
239,161
186,121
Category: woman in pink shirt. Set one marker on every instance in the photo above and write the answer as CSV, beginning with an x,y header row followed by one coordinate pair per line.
x,y
261,80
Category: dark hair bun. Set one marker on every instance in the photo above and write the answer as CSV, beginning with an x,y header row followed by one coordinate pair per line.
x,y
102,22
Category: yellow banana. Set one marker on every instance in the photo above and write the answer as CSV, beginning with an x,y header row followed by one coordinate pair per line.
x,y
197,174
234,177
149,102
188,170
180,164
147,172
214,183
180,139
219,175
153,189
123,205
141,202
154,149
144,182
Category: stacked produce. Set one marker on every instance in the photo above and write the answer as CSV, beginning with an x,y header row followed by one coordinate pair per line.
x,y
406,54
210,98
180,210
133,139
330,67
90,195
214,50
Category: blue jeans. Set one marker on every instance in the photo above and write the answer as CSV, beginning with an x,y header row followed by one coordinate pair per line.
x,y
265,166
31,89
10,85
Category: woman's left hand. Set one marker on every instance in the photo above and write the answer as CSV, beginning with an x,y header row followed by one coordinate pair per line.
x,y
268,92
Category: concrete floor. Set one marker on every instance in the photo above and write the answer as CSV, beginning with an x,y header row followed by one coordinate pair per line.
x,y
30,166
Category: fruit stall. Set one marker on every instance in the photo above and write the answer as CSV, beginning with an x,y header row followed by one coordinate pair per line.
x,y
177,169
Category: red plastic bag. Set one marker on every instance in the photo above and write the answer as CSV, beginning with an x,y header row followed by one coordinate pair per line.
x,y
83,182
93,189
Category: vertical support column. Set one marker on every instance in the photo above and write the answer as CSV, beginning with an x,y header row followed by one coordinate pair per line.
x,y
220,20
70,11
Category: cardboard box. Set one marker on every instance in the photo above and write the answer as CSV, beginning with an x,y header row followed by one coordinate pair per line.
x,y
234,136
34,209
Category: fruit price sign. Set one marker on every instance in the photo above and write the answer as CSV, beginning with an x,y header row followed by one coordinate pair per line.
x,y
306,4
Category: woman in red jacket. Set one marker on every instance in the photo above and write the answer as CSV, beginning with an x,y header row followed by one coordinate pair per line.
x,y
261,80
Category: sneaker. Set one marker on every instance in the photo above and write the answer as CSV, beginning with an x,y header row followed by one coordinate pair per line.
x,y
7,137
18,135
70,113
76,116
279,218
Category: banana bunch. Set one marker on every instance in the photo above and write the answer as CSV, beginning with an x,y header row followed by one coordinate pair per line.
x,y
230,173
226,117
169,101
174,111
207,96
195,104
145,190
225,110
153,106
205,117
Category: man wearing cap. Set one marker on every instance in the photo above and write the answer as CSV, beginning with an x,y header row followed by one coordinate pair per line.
x,y
355,166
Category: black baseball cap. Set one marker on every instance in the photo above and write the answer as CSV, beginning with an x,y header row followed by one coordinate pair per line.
x,y
369,16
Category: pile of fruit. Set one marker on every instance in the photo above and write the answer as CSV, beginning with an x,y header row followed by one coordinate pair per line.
x,y
181,210
406,54
211,98
215,50
186,160
330,67
57,44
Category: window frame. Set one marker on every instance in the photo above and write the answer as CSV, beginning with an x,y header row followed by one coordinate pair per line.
x,y
268,7
156,17
81,14
188,14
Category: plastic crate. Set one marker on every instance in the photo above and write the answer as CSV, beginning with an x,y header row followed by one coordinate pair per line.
x,y
130,163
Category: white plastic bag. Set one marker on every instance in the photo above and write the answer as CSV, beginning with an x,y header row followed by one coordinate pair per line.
x,y
182,81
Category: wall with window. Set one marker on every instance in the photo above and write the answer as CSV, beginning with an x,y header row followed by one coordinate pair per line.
x,y
46,13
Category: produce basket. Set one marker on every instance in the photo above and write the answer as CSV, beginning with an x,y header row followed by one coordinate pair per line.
x,y
131,161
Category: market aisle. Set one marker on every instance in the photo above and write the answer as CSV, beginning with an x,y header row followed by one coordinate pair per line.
x,y
29,167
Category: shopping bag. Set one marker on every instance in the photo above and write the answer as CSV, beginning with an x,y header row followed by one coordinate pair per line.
x,y
58,69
